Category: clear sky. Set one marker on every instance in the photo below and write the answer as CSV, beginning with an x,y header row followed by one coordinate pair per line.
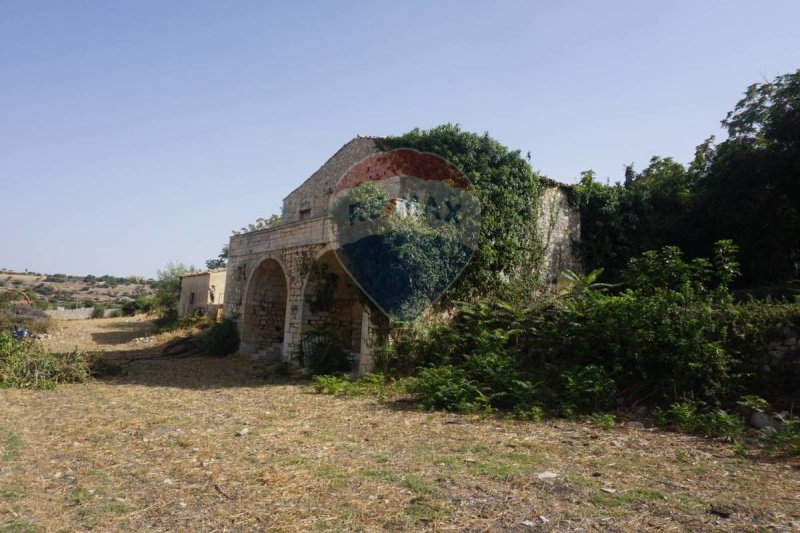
x,y
135,133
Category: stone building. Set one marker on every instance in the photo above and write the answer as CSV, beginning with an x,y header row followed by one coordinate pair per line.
x,y
275,274
202,290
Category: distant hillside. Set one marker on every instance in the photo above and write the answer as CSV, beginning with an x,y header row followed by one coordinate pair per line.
x,y
53,291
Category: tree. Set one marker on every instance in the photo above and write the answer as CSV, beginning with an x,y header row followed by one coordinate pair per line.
x,y
168,288
261,223
750,191
746,189
221,261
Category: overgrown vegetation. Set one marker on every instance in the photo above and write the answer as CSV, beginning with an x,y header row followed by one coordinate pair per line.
x,y
168,294
323,351
25,316
25,364
744,188
509,191
671,337
222,338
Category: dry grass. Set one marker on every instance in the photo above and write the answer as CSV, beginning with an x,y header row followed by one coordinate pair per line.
x,y
156,449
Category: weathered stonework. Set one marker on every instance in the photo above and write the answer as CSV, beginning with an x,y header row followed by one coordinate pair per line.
x,y
276,276
202,291
559,227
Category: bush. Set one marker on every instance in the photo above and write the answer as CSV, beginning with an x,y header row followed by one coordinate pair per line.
x,y
99,311
671,333
692,417
449,388
25,316
129,308
222,338
25,364
323,352
785,440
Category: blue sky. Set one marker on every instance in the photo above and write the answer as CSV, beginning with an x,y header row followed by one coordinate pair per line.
x,y
135,133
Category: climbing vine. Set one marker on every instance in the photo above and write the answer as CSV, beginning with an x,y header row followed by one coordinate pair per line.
x,y
510,250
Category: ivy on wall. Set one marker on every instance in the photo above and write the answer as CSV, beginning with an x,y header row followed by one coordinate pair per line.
x,y
509,253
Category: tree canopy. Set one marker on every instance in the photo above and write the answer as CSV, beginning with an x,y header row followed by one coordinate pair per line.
x,y
746,189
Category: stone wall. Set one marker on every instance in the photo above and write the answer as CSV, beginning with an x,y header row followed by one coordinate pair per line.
x,y
205,290
314,193
256,296
76,314
295,247
559,225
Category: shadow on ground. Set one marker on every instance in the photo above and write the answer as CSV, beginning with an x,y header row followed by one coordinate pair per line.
x,y
121,333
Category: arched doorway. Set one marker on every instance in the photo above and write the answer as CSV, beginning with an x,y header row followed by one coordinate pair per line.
x,y
331,306
264,317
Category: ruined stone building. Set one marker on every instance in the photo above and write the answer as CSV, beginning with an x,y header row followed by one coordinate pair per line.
x,y
202,291
271,285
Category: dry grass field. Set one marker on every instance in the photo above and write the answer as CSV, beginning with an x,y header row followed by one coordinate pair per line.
x,y
201,444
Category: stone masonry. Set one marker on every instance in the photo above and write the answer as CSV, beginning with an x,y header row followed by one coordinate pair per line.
x,y
277,277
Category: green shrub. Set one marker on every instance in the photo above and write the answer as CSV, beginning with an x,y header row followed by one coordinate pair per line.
x,y
222,338
449,388
323,351
603,420
368,384
585,389
375,385
99,311
691,417
25,364
785,440
199,318
129,308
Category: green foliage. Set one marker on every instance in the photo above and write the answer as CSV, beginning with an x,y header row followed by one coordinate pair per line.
x,y
744,189
509,193
366,385
25,364
168,293
260,224
693,417
376,385
221,261
603,420
785,440
672,332
449,388
144,303
585,389
754,403
222,338
99,311
324,352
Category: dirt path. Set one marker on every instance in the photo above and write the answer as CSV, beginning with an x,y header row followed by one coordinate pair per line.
x,y
202,444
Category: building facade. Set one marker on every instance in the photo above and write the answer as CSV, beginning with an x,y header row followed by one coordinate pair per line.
x,y
276,276
202,291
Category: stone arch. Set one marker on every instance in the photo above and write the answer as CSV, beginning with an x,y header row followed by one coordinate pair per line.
x,y
264,312
331,297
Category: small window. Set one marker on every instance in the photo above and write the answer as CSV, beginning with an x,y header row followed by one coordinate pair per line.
x,y
191,298
211,294
305,214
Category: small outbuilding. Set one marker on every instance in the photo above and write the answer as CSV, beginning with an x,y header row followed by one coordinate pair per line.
x,y
202,291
